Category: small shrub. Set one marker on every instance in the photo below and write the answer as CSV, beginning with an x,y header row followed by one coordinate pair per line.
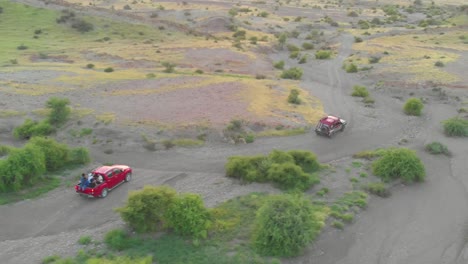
x,y
32,128
150,75
364,24
168,67
292,48
399,163
456,127
338,225
413,106
358,39
353,14
249,138
82,26
109,69
293,97
291,176
90,66
306,160
307,46
294,54
168,144
368,100
85,240
437,148
188,216
284,225
439,64
145,209
377,188
117,239
293,73
51,259
56,154
279,65
323,54
374,59
303,60
360,91
59,110
22,47
351,68
234,125
78,156
322,192
198,71
260,76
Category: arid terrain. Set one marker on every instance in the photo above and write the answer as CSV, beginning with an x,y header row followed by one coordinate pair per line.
x,y
133,109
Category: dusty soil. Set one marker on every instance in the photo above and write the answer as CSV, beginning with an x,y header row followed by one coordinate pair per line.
x,y
419,224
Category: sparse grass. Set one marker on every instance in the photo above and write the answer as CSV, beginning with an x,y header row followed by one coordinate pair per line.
x,y
360,91
282,132
37,190
106,118
10,113
85,240
377,188
338,225
187,142
322,192
356,164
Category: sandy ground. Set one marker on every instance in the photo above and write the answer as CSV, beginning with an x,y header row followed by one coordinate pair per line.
x,y
420,224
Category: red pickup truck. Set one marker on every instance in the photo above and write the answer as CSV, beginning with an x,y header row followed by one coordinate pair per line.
x,y
112,176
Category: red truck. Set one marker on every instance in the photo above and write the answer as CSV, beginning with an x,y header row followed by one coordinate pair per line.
x,y
112,176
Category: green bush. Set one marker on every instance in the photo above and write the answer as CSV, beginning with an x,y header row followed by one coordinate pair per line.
x,y
168,67
23,167
279,65
360,91
250,169
306,160
413,106
293,73
307,46
456,127
145,209
290,176
285,225
437,148
32,128
399,163
351,68
293,97
188,216
303,59
364,24
377,188
109,69
85,240
249,138
56,154
323,54
82,26
78,156
278,156
59,110
357,39
292,48
294,54
117,239
374,59
290,170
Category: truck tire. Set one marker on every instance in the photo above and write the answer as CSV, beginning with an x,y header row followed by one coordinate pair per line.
x,y
104,193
